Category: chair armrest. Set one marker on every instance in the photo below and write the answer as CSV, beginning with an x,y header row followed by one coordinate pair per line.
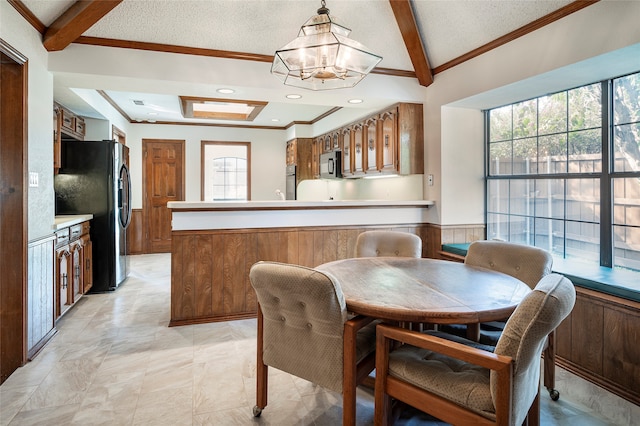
x,y
358,322
501,364
445,347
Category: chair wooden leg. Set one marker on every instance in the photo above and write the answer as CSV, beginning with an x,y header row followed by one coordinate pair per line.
x,y
473,332
382,400
550,366
262,371
349,376
533,415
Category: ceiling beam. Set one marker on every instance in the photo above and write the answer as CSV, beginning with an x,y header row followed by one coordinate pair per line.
x,y
406,21
77,19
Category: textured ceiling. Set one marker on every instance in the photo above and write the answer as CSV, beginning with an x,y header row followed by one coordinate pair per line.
x,y
448,28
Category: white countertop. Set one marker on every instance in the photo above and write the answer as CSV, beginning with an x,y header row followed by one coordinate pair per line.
x,y
187,216
277,204
65,221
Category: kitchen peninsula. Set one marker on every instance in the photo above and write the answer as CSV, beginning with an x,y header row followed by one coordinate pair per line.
x,y
214,245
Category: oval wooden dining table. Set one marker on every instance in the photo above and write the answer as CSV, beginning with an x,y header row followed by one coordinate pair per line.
x,y
425,290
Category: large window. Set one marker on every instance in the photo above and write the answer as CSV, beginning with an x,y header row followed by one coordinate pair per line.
x,y
225,171
563,173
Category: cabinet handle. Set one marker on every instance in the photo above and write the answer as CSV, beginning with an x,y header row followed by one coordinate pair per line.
x,y
77,272
346,151
386,141
370,144
358,148
64,280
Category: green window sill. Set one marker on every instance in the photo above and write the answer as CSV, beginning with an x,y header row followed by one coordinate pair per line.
x,y
616,282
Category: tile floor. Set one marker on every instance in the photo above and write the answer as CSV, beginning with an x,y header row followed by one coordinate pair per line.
x,y
114,361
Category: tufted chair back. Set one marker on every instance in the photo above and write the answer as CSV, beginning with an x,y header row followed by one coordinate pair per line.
x,y
524,336
526,263
388,243
304,313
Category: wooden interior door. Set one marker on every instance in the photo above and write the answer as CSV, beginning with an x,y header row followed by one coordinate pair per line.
x,y
163,182
13,210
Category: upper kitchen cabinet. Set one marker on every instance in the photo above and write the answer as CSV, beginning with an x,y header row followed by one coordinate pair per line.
x,y
66,125
347,149
370,157
300,153
388,140
359,154
409,139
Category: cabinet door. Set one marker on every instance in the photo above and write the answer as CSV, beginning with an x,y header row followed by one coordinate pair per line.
x,y
77,270
316,149
347,149
327,144
388,140
63,266
357,135
57,139
87,281
371,134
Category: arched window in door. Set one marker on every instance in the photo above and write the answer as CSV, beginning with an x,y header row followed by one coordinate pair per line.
x,y
225,171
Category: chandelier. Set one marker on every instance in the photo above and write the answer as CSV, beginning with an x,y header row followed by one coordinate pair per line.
x,y
323,56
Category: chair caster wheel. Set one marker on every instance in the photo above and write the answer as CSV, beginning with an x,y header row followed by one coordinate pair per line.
x,y
257,411
554,394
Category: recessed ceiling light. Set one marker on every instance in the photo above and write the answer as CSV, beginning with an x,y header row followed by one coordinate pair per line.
x,y
226,91
275,119
355,101
294,96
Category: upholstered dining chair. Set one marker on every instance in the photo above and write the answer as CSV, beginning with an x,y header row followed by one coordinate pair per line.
x,y
460,384
388,243
527,263
304,330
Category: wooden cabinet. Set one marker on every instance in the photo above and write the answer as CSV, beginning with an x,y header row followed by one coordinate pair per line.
x,y
347,149
300,152
388,140
74,266
357,142
66,125
315,158
370,157
57,139
63,268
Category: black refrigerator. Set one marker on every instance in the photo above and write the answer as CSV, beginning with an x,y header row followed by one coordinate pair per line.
x,y
93,178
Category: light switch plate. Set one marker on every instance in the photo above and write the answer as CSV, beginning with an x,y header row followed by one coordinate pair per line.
x,y
33,179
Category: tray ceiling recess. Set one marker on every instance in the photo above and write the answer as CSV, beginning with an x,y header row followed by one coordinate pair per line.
x,y
220,109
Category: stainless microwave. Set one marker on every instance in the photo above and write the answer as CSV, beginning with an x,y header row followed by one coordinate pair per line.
x,y
331,165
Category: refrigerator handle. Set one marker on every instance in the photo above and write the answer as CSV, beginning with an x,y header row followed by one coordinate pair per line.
x,y
124,196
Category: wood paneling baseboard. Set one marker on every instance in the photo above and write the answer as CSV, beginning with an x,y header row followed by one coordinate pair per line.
x,y
135,233
210,269
598,341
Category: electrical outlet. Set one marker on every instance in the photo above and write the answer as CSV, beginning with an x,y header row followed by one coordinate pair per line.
x,y
33,179
430,180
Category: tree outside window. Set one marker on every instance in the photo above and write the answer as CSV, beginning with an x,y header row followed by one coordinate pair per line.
x,y
563,173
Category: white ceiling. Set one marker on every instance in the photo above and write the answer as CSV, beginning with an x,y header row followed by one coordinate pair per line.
x,y
448,28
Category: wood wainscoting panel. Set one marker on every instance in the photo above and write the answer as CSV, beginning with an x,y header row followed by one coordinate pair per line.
x,y
622,332
587,336
210,269
599,342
